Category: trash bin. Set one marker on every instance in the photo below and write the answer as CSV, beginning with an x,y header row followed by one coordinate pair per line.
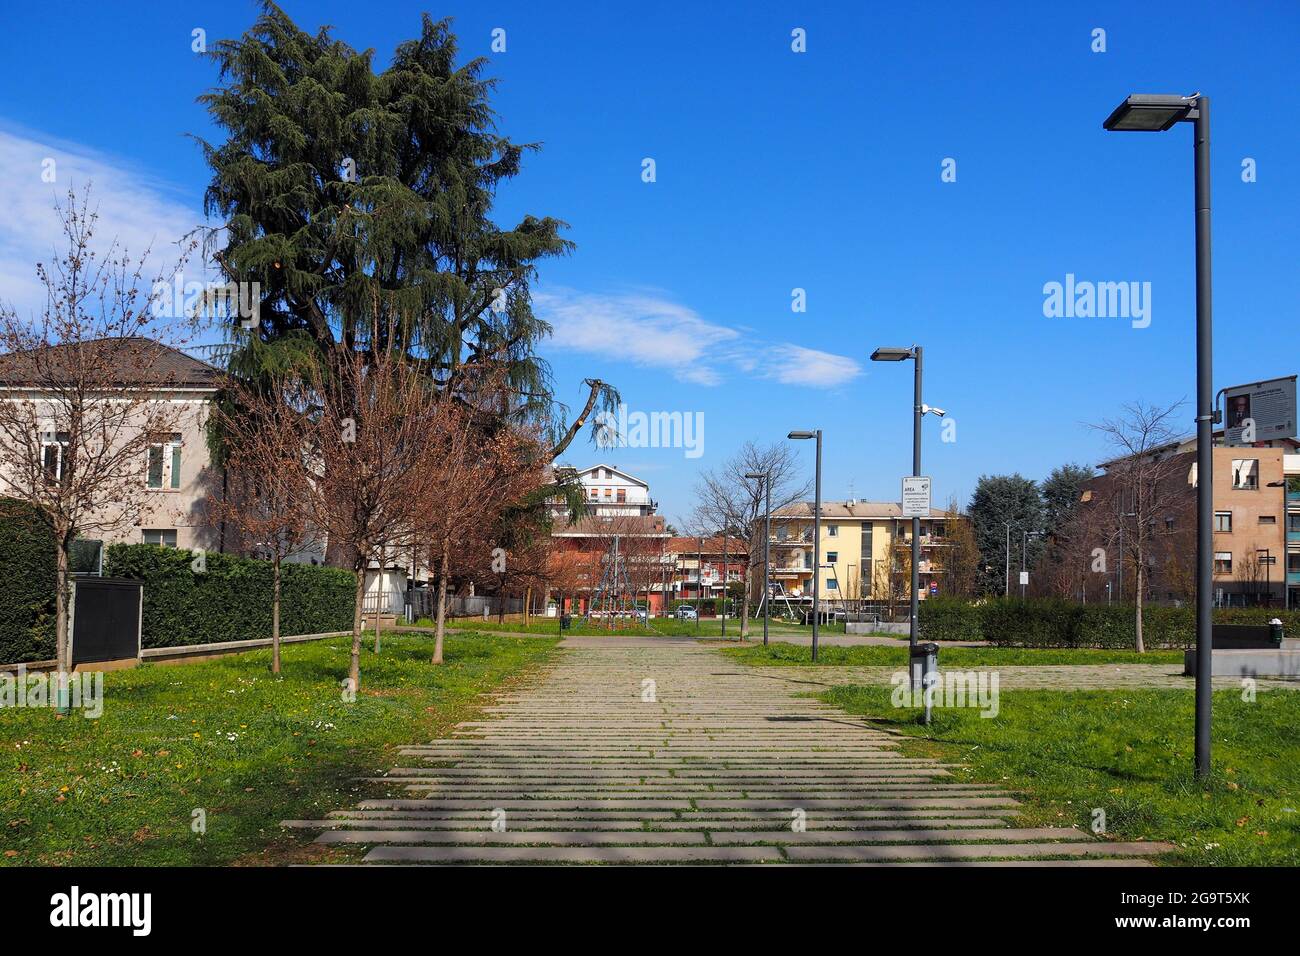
x,y
1275,631
923,660
566,621
923,663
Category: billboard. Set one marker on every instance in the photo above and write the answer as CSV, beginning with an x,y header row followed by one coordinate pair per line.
x,y
1260,411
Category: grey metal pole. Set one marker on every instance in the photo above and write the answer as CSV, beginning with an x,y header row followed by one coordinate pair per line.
x,y
1006,575
1204,438
916,522
1024,542
699,584
817,546
724,582
767,539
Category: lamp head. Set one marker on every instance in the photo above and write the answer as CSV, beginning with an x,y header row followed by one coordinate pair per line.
x,y
890,354
1148,113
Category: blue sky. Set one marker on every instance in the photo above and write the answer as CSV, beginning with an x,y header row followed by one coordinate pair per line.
x,y
779,170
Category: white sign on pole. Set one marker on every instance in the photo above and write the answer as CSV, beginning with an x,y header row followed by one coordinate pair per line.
x,y
1024,577
916,497
1260,411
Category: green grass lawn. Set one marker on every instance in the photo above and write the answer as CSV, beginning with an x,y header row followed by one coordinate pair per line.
x,y
873,655
1128,752
227,737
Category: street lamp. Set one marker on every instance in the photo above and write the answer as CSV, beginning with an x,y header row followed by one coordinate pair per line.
x,y
817,531
1006,576
919,410
765,482
1147,113
1024,542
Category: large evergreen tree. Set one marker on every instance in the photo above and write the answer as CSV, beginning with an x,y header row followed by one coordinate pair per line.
x,y
355,197
999,499
1060,492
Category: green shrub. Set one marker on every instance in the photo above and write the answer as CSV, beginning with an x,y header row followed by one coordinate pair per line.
x,y
231,599
1047,622
28,570
948,619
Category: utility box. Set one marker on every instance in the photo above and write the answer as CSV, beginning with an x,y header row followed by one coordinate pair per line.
x,y
106,621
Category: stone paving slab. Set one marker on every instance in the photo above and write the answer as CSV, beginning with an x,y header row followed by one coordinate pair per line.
x,y
704,825
968,851
725,765
489,837
910,835
1034,676
573,854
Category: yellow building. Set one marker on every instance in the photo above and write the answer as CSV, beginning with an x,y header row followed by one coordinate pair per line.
x,y
863,545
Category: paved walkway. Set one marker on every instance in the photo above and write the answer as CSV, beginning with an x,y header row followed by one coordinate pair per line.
x,y
651,751
1029,677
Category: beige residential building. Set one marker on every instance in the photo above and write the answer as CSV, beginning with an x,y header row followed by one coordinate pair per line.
x,y
176,474
861,543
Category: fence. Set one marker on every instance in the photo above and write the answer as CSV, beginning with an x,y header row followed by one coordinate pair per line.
x,y
422,602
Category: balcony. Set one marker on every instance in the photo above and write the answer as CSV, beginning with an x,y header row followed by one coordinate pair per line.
x,y
792,539
791,571
927,541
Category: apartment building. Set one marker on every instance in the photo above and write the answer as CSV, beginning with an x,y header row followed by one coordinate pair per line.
x,y
865,547
609,492
1256,523
1291,474
176,474
702,568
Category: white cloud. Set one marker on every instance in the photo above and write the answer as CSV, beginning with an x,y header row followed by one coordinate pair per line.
x,y
796,365
134,208
651,331
637,328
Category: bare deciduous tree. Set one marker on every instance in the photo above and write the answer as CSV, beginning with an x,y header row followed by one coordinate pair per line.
x,y
471,479
1147,485
82,396
268,468
372,434
729,503
962,554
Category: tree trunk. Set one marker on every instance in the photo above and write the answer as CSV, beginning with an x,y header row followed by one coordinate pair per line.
x,y
275,612
63,588
443,564
1137,601
382,593
528,601
354,669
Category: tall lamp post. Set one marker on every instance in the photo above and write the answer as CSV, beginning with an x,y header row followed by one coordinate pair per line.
x,y
817,532
1025,535
765,482
724,581
1006,576
1155,114
918,411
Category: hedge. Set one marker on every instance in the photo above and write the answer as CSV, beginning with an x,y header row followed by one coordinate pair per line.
x,y
231,599
1046,622
29,570
948,619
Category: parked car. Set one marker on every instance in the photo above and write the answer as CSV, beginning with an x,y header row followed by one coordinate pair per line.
x,y
686,613
642,613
